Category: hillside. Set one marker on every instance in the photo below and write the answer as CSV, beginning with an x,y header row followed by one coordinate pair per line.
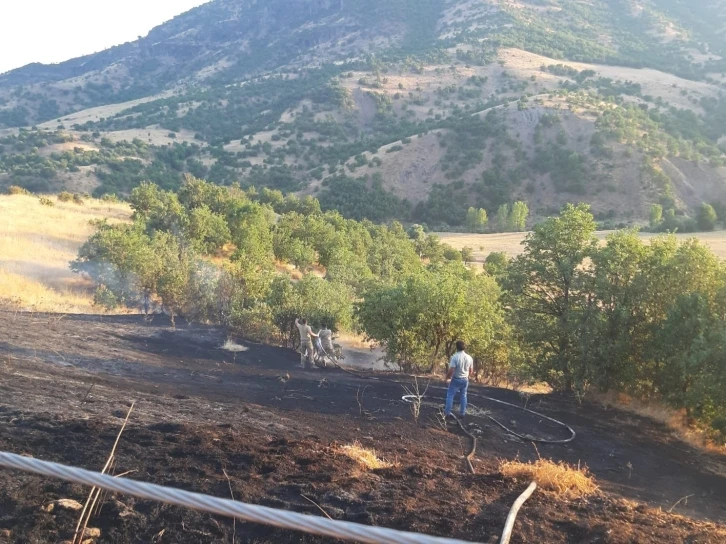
x,y
396,109
37,241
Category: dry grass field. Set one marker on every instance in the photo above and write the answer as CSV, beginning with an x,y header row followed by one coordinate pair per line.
x,y
511,242
36,244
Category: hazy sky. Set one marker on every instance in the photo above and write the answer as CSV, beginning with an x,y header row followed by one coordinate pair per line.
x,y
57,30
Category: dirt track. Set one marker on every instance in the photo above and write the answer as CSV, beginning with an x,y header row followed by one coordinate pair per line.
x,y
201,410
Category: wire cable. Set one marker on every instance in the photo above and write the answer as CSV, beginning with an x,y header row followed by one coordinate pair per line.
x,y
344,530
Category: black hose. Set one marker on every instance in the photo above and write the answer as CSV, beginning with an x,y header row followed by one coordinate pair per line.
x,y
527,437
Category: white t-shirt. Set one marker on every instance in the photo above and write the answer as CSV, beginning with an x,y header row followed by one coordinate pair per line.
x,y
326,338
462,364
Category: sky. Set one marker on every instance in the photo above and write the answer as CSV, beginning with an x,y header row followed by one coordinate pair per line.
x,y
50,31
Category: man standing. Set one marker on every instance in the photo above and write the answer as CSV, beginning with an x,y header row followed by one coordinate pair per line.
x,y
458,378
325,336
306,342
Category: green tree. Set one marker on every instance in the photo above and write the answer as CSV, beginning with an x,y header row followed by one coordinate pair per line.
x,y
616,332
467,254
691,350
196,193
206,230
476,219
121,260
390,253
345,267
670,222
175,266
549,285
418,237
317,300
656,215
451,254
517,220
496,263
418,322
503,218
432,249
251,232
706,217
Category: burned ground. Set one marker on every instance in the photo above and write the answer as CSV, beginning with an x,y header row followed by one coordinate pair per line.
x,y
201,411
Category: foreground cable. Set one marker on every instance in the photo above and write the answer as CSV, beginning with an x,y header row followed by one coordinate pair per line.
x,y
249,512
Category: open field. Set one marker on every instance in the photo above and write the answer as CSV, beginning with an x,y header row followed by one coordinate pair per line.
x,y
99,112
671,88
202,411
511,242
36,244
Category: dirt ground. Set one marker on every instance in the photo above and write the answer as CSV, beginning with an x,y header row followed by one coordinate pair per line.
x,y
201,410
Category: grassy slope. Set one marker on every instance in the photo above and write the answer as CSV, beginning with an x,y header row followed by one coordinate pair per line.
x,y
36,244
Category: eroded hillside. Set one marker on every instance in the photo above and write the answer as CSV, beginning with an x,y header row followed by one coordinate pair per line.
x,y
398,109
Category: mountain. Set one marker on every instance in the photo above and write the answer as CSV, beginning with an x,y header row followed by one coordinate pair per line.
x,y
403,109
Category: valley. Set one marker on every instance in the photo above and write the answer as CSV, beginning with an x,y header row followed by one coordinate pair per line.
x,y
528,194
356,113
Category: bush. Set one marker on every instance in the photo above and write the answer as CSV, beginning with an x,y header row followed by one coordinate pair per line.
x,y
65,196
707,217
78,199
105,297
254,324
17,190
45,201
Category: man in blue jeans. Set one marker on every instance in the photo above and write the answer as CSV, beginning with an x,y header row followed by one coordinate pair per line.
x,y
457,377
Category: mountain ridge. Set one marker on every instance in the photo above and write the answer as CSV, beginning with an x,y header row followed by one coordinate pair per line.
x,y
302,96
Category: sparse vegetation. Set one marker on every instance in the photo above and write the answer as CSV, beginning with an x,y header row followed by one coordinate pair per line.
x,y
366,458
560,478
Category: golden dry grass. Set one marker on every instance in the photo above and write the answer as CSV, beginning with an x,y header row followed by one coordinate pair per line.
x,y
560,478
36,245
511,242
352,340
365,457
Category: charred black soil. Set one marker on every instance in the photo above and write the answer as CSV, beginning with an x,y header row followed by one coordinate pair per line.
x,y
201,411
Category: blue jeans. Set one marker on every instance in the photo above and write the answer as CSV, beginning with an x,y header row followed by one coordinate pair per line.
x,y
457,385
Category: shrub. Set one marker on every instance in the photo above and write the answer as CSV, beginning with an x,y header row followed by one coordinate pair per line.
x,y
254,323
706,217
17,190
45,201
65,196
104,297
78,199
